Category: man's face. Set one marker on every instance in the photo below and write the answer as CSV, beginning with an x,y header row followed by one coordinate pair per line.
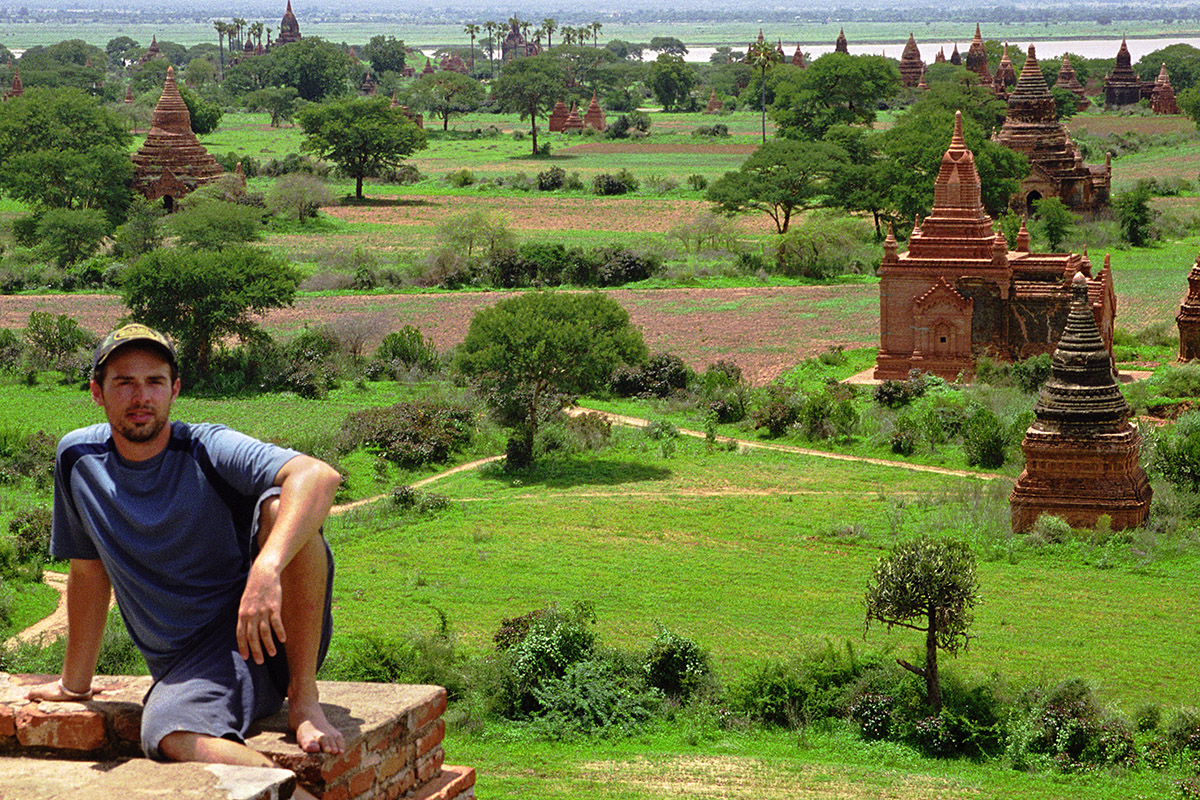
x,y
136,395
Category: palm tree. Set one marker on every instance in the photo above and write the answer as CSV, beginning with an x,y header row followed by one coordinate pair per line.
x,y
491,28
525,26
761,55
222,29
239,25
256,30
549,25
595,26
568,35
471,29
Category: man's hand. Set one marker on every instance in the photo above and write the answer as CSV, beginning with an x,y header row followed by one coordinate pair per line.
x,y
260,615
56,692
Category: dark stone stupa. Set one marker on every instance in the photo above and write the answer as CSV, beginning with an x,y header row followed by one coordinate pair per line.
x,y
1188,318
1081,453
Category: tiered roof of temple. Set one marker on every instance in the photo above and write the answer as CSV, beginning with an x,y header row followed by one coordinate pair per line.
x,y
17,89
911,65
558,117
1005,77
840,46
977,58
798,58
1122,87
172,162
1188,318
714,103
1081,452
1067,80
289,27
573,122
454,63
1056,166
959,293
1162,101
594,116
955,58
515,45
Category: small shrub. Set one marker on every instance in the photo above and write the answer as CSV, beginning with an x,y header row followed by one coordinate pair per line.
x,y
408,349
410,434
460,178
873,713
776,408
894,394
717,130
607,184
697,182
984,438
409,499
30,530
676,665
552,179
661,184
1030,374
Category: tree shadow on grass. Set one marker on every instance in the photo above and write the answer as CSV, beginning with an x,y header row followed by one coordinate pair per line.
x,y
563,473
386,202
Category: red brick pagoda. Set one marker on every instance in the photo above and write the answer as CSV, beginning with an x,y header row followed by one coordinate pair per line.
x,y
1162,101
840,46
289,27
1122,87
977,59
1069,81
959,293
558,117
1188,318
798,59
911,65
1056,167
1006,76
594,116
172,162
1081,452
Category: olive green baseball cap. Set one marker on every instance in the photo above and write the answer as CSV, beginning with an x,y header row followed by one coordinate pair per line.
x,y
130,334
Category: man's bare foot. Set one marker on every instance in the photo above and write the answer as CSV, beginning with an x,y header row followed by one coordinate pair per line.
x,y
314,732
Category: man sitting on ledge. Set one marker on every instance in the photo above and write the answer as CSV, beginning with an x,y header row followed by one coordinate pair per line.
x,y
212,542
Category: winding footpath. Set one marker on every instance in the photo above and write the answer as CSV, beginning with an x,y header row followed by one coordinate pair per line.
x,y
55,625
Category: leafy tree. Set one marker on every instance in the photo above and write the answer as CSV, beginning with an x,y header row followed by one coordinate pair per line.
x,y
61,149
53,340
529,87
202,296
780,178
1066,103
835,89
200,71
1057,221
313,67
529,351
120,48
69,235
928,585
386,54
205,116
1189,103
362,136
1183,65
142,230
68,64
669,45
1134,214
671,80
213,224
299,195
279,102
444,93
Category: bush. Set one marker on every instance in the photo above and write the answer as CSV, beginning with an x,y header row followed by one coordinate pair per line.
x,y
1068,731
676,665
590,697
408,349
298,195
717,130
460,178
407,498
822,244
10,350
410,434
69,235
616,266
1176,453
697,182
663,374
30,530
984,438
55,342
622,182
538,647
551,179
1030,374
776,408
894,394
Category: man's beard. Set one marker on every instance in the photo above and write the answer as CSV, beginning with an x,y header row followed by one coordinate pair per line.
x,y
143,432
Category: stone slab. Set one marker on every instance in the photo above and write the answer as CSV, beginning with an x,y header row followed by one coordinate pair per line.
x,y
138,779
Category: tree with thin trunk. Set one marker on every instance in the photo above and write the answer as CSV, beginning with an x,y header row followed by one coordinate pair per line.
x,y
220,27
491,28
762,56
549,25
928,585
472,30
530,87
595,27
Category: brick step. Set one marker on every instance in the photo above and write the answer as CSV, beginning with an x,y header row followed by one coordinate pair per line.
x,y
455,783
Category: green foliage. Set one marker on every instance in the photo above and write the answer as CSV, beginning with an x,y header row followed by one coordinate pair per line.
x,y
622,182
1183,65
1176,453
279,102
200,297
776,408
69,235
1056,220
984,438
1030,374
61,149
205,116
445,93
894,393
928,585
142,229
1133,212
1066,730
835,89
676,665
527,348
299,195
361,136
662,375
538,647
671,80
30,532
1066,102
213,224
408,349
57,342
591,697
826,243
410,434
780,178
530,87
386,54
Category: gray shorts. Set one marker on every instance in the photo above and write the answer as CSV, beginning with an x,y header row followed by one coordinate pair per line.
x,y
210,689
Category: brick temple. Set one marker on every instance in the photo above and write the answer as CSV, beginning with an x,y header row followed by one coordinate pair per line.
x,y
1006,76
1081,452
977,59
289,27
172,162
1056,167
959,293
1067,79
1162,98
1188,318
911,65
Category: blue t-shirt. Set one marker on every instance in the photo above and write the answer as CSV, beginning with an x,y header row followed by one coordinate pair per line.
x,y
173,531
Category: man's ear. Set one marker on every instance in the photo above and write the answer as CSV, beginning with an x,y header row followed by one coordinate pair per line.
x,y
97,393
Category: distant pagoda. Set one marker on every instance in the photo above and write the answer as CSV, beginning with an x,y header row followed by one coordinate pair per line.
x,y
1122,87
1069,81
840,46
289,27
977,58
172,162
1081,452
1188,318
1162,101
911,65
1005,77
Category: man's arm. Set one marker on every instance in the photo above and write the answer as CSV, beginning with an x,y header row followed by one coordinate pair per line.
x,y
88,594
308,486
